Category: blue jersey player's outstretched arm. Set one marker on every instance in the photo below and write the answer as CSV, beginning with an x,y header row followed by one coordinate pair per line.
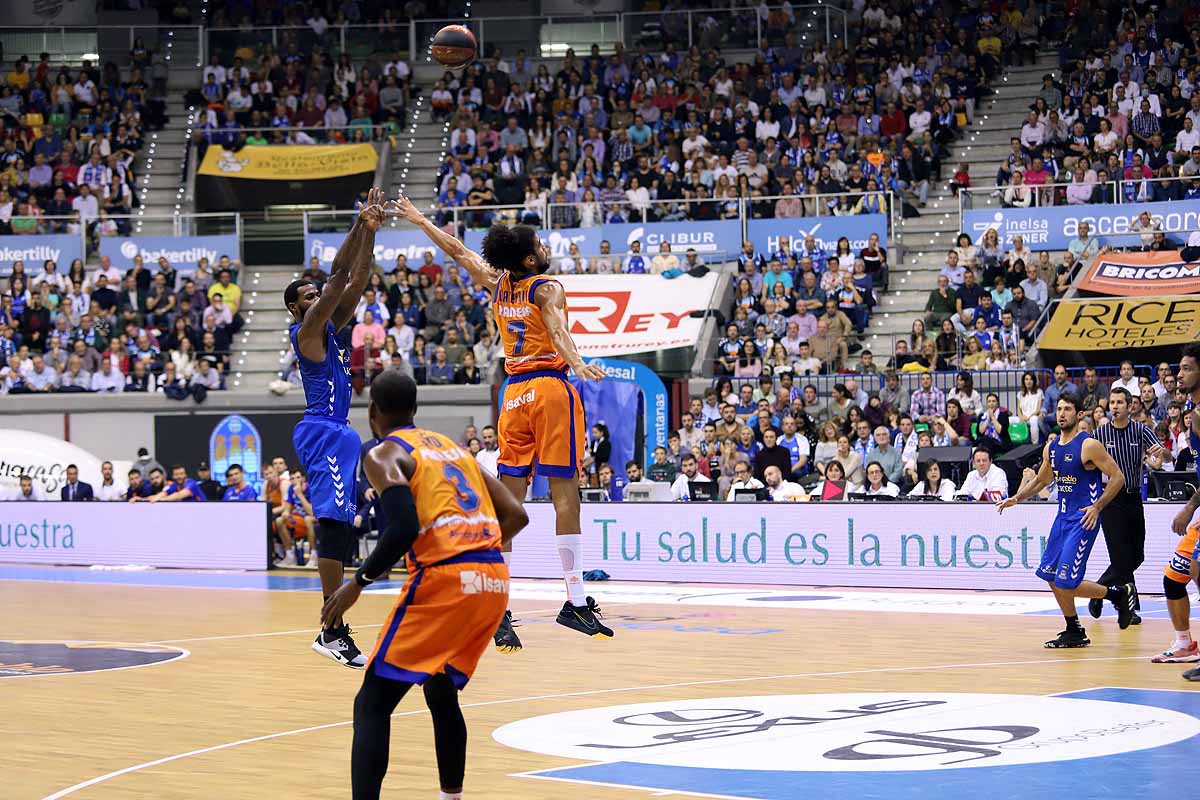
x,y
337,301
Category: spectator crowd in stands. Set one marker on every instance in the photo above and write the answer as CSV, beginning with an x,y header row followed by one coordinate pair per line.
x,y
68,139
426,319
1124,108
294,91
801,129
143,330
787,440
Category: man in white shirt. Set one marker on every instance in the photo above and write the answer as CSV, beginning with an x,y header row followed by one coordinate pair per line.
x,y
1188,138
919,121
742,479
783,491
1033,133
110,273
490,454
689,472
29,491
1127,380
689,435
986,482
109,491
106,379
86,205
906,443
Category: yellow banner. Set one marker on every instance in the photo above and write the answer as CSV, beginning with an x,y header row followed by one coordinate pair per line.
x,y
1119,323
290,162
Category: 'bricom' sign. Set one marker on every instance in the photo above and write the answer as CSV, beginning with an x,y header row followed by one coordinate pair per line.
x,y
1116,324
1141,275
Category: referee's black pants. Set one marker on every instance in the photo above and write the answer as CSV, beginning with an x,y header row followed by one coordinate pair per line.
x,y
1124,524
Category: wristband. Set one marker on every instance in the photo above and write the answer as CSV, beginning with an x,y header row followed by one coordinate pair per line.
x,y
361,578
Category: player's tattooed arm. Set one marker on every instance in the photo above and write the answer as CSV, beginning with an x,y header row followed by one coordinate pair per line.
x,y
370,219
552,300
480,271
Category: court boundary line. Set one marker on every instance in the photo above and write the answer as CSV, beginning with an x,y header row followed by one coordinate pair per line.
x,y
533,612
510,700
183,653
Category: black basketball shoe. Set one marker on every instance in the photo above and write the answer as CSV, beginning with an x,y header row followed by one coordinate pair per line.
x,y
585,619
1096,607
505,637
336,645
1126,604
1076,637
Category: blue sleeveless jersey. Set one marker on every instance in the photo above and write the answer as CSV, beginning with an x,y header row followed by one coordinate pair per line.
x,y
1078,486
326,383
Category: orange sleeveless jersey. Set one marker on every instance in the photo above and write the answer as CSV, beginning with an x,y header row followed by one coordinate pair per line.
x,y
527,342
453,505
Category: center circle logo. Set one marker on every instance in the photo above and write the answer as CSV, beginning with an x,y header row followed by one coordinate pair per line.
x,y
27,659
861,732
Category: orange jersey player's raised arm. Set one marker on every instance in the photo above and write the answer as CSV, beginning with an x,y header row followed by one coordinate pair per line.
x,y
531,311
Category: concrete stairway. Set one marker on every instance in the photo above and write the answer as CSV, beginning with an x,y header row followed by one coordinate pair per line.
x,y
927,238
263,342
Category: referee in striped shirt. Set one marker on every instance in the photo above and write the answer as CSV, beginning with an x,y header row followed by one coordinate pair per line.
x,y
1123,520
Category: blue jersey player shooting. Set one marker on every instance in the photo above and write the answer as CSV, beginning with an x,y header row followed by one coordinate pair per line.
x,y
1074,461
326,444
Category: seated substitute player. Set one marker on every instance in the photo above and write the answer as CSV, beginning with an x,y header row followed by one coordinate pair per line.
x,y
181,489
297,519
1074,460
236,487
450,518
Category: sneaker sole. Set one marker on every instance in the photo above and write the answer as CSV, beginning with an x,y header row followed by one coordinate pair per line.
x,y
600,634
334,657
1188,659
1076,646
508,649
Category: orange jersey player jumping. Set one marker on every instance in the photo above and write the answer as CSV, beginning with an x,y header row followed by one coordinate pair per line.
x,y
541,425
450,518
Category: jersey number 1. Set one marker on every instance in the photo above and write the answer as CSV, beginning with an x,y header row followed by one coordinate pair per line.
x,y
468,500
517,328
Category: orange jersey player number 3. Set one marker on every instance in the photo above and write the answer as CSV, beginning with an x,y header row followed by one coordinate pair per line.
x,y
541,425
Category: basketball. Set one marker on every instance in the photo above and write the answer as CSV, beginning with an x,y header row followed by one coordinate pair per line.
x,y
454,46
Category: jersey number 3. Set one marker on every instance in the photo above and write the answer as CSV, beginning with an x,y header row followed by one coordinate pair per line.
x,y
517,328
468,500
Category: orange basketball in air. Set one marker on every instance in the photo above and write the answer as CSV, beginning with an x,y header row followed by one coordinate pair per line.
x,y
454,46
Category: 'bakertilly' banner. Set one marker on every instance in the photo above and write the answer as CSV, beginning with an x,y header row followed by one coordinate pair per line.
x,y
1141,275
265,175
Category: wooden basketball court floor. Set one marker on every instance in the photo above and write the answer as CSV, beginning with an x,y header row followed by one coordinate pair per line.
x,y
202,685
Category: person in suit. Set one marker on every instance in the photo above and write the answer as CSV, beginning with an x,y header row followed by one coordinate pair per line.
x,y
75,490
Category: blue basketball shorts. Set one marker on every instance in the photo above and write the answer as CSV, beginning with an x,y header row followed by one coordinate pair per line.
x,y
1064,560
328,451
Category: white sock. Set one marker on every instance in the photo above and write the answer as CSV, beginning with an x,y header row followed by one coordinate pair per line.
x,y
1183,637
451,795
570,553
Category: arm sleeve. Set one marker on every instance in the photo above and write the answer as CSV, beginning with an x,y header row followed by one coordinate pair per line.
x,y
401,513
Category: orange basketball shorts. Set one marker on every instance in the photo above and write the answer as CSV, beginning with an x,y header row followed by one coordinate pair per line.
x,y
444,620
295,524
1178,567
541,421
